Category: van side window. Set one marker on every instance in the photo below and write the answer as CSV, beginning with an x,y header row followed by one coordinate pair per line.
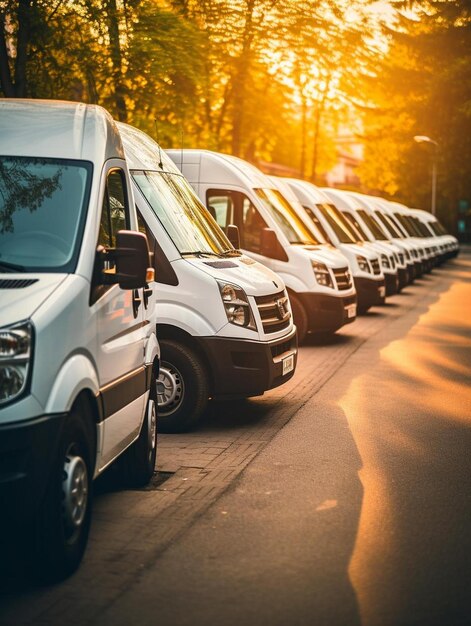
x,y
234,207
114,213
164,272
221,206
253,224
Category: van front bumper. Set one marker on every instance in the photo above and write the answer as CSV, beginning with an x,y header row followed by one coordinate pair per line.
x,y
392,283
249,368
27,452
370,292
328,313
403,275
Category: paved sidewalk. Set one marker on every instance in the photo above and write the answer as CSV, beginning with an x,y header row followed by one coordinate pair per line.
x,y
132,528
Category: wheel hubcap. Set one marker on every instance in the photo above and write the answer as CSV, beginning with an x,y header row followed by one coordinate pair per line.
x,y
152,418
75,489
170,389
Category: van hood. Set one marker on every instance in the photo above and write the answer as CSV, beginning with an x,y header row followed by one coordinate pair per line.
x,y
358,248
254,278
22,294
327,255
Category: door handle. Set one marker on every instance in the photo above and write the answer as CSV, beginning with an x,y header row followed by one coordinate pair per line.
x,y
147,292
136,301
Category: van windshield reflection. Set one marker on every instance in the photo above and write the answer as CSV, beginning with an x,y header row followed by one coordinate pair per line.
x,y
42,212
295,230
188,223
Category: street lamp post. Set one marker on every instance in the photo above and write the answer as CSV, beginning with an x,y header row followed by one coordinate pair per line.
x,y
425,139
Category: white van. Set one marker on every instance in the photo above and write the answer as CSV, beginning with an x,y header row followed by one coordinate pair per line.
x,y
392,258
400,213
367,213
224,321
447,244
379,209
78,348
367,273
318,280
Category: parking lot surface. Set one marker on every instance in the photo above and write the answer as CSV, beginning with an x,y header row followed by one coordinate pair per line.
x,y
340,498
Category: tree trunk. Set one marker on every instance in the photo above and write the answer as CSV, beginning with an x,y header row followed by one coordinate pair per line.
x,y
116,60
6,83
239,81
25,9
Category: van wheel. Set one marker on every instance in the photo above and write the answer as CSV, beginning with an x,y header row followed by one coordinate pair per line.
x,y
62,524
138,461
299,317
182,387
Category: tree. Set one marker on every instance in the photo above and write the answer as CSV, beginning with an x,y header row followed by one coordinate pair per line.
x,y
424,88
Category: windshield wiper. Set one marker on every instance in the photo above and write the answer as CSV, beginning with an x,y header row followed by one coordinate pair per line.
x,y
231,252
303,243
198,253
13,267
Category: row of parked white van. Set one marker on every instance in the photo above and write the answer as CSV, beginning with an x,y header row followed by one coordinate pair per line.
x,y
89,210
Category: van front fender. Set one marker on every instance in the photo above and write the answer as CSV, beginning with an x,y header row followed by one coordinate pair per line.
x,y
190,320
294,283
76,374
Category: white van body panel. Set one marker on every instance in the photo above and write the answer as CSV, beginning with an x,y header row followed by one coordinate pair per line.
x,y
76,375
24,302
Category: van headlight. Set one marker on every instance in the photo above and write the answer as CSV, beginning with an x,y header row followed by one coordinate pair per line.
x,y
322,274
237,306
363,264
16,344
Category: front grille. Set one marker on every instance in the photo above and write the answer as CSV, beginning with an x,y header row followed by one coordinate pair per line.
x,y
343,278
274,311
19,283
375,266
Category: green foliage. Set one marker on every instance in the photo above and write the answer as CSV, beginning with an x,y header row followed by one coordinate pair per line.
x,y
262,79
424,88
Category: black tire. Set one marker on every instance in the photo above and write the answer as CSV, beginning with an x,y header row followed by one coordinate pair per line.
x,y
182,387
62,524
138,461
300,317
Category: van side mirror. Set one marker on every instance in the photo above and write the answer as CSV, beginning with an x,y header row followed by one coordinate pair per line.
x,y
128,265
270,246
233,235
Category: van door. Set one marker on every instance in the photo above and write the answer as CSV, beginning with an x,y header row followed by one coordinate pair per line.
x,y
121,333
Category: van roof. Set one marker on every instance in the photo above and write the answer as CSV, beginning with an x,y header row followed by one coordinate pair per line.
x,y
207,167
306,191
143,153
57,129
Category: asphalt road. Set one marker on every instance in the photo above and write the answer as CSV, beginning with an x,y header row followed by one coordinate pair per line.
x,y
356,510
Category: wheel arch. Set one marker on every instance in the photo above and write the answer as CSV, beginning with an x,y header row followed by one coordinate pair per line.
x,y
167,331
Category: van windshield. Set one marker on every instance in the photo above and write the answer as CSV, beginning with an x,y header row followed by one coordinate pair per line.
x,y
344,231
43,206
286,217
390,225
373,225
188,223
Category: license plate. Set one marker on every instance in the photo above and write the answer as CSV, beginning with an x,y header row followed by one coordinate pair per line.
x,y
382,292
288,364
351,310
